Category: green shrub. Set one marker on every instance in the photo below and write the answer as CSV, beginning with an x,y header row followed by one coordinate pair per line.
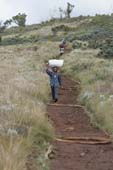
x,y
62,28
41,134
107,49
80,44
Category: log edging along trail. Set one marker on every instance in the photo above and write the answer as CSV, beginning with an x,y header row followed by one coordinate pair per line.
x,y
85,140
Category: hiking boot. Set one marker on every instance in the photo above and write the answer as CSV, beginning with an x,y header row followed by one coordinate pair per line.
x,y
56,100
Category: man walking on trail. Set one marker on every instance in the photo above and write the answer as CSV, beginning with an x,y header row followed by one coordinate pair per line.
x,y
62,47
55,81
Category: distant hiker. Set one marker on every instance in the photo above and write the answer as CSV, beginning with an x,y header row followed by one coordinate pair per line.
x,y
55,80
62,47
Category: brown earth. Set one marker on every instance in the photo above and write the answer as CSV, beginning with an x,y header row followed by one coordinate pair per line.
x,y
71,120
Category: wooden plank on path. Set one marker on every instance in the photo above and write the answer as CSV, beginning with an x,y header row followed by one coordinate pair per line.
x,y
65,105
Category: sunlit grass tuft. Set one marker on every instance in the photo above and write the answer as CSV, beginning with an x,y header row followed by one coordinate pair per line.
x,y
12,153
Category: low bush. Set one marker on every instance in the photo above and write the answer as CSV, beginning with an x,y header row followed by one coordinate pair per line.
x,y
62,28
18,39
80,44
107,49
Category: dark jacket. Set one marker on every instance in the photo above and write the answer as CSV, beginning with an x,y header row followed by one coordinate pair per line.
x,y
55,78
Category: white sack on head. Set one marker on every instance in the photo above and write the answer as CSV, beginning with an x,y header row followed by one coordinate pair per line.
x,y
57,63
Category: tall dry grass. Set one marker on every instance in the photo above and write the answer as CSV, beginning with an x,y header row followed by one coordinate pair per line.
x,y
12,154
24,93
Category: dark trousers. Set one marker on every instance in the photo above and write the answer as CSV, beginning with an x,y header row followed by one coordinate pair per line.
x,y
54,91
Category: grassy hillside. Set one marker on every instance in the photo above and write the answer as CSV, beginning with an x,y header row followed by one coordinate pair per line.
x,y
24,92
25,87
96,77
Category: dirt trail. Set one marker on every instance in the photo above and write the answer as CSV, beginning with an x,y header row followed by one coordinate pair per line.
x,y
72,121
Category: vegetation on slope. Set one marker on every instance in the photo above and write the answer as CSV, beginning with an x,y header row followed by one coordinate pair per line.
x,y
96,76
24,85
24,92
